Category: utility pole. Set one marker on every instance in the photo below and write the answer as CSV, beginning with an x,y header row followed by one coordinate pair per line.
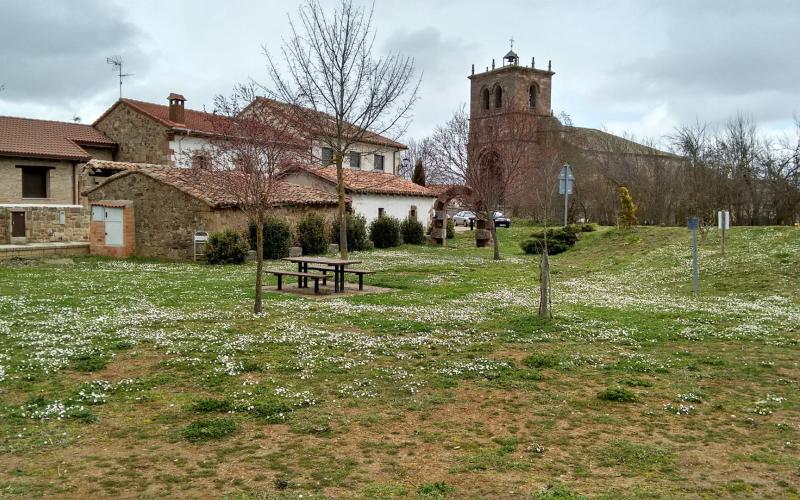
x,y
116,65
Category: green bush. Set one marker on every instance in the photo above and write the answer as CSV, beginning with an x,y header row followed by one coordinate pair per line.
x,y
412,231
559,240
209,428
311,234
618,394
277,238
385,232
227,247
451,229
356,232
582,228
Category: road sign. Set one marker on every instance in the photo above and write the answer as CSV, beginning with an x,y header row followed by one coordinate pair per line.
x,y
566,180
694,223
724,219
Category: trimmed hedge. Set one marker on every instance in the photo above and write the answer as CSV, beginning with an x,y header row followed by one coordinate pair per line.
x,y
227,247
385,232
311,234
559,240
277,238
451,229
356,232
412,231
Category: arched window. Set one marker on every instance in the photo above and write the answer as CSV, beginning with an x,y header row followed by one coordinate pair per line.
x,y
498,97
532,94
485,98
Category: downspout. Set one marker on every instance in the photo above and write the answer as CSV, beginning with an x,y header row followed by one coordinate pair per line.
x,y
74,185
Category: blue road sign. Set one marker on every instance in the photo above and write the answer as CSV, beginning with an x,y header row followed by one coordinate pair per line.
x,y
694,223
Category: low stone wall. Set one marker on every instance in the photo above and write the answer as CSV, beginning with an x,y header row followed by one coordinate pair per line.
x,y
43,224
43,250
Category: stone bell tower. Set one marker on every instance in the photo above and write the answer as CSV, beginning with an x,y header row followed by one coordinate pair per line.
x,y
509,91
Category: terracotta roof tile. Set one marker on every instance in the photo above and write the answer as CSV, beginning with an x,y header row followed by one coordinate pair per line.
x,y
363,181
203,186
48,139
369,137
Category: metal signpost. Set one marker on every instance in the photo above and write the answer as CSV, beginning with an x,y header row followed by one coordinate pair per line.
x,y
694,225
565,182
723,222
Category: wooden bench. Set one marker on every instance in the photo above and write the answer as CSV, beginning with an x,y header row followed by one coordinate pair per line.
x,y
301,278
359,272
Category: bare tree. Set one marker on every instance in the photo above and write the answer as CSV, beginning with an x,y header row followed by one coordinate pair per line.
x,y
490,158
244,159
339,91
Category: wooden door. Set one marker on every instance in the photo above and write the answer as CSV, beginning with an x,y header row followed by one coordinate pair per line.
x,y
114,227
17,224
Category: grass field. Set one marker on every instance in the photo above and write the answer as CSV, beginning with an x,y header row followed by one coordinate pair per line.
x,y
139,378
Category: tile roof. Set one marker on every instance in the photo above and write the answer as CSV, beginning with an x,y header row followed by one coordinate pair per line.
x,y
205,186
368,137
48,139
590,139
197,121
363,181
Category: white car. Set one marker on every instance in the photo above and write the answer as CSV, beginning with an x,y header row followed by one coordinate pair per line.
x,y
463,217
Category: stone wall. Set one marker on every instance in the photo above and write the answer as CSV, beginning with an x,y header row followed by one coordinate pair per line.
x,y
61,186
167,218
42,224
140,138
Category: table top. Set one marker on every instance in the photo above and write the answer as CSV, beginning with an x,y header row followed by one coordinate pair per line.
x,y
323,260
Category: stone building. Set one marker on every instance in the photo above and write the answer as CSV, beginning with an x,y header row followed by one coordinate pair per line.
x,y
510,109
41,179
157,209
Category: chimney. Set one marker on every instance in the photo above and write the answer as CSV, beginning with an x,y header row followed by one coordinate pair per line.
x,y
176,107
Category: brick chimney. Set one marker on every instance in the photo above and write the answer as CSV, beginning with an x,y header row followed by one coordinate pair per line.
x,y
176,107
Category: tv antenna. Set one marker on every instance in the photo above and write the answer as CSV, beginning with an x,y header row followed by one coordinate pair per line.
x,y
116,65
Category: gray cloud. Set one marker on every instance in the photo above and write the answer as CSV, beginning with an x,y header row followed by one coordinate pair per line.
x,y
54,51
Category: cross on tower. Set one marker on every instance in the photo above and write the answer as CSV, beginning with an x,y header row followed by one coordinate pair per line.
x,y
512,42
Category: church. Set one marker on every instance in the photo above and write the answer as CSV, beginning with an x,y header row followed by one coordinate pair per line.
x,y
510,111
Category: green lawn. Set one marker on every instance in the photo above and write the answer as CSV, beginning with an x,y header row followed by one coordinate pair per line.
x,y
142,378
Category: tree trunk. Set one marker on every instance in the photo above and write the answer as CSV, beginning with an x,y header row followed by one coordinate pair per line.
x,y
544,285
259,262
342,208
495,243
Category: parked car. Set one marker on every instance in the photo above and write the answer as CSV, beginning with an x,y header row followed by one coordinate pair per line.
x,y
501,220
463,217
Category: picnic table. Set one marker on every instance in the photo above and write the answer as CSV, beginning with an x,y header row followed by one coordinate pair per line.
x,y
338,266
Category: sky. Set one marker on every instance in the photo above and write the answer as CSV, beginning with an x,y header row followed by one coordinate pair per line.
x,y
640,67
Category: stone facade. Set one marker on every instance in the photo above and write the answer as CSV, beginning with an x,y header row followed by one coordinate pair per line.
x,y
43,224
141,139
167,218
62,181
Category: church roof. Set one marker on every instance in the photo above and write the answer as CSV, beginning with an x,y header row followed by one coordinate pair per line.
x,y
599,141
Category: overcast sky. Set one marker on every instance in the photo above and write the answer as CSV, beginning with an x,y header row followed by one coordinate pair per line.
x,y
632,66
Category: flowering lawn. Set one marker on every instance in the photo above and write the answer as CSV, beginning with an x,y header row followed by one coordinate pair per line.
x,y
143,378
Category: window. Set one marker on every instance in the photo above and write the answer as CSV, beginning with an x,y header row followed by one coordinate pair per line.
x,y
380,212
378,163
498,97
34,182
327,156
485,98
355,160
532,96
201,161
412,213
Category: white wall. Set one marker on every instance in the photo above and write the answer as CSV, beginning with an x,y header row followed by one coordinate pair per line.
x,y
182,148
391,161
393,205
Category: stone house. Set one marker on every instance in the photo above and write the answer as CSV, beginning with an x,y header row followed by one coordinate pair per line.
x,y
41,179
175,135
154,210
372,194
